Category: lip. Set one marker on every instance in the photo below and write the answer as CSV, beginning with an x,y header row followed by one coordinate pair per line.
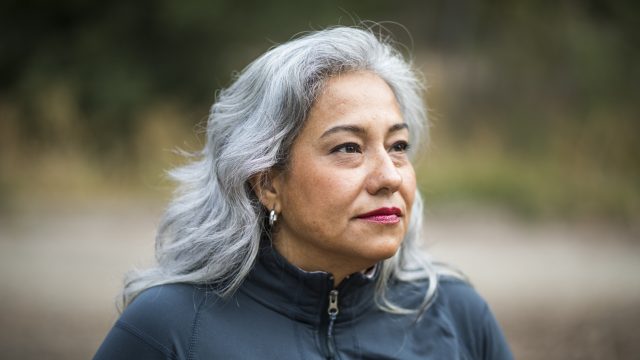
x,y
383,215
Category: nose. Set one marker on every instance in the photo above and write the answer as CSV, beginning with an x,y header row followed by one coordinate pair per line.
x,y
384,175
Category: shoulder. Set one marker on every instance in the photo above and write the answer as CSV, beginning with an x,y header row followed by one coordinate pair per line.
x,y
465,308
158,324
453,294
472,319
461,298
164,315
172,305
181,299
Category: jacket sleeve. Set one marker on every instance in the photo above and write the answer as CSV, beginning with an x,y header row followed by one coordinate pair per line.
x,y
126,342
493,343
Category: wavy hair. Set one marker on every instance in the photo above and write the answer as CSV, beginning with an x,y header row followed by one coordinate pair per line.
x,y
211,230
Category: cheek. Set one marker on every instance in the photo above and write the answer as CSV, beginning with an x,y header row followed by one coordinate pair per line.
x,y
316,189
409,188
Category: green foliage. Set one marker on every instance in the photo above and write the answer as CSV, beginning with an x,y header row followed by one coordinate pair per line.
x,y
541,187
554,85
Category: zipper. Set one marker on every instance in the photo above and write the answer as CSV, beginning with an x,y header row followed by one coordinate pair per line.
x,y
333,314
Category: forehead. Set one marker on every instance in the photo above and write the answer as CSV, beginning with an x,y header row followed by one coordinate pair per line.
x,y
352,98
353,87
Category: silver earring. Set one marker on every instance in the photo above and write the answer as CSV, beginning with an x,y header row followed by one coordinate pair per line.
x,y
273,217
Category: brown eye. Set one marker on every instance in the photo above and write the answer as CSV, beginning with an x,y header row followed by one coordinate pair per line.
x,y
400,146
347,148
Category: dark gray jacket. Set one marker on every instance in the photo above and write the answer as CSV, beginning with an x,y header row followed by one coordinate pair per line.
x,y
282,312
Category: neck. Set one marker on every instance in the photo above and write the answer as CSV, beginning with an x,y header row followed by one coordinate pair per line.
x,y
312,260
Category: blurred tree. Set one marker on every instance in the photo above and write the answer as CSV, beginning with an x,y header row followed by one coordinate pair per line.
x,y
550,80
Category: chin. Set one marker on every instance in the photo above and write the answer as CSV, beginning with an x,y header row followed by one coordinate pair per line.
x,y
384,250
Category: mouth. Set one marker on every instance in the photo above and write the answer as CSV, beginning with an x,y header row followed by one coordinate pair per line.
x,y
384,215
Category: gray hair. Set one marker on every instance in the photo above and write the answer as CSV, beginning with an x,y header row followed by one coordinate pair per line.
x,y
212,229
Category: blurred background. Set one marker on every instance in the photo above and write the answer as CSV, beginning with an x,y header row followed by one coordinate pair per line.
x,y
531,177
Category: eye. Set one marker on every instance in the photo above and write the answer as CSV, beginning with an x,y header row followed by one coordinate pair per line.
x,y
347,148
400,146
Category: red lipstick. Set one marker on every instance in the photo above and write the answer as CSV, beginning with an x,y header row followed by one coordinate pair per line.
x,y
384,215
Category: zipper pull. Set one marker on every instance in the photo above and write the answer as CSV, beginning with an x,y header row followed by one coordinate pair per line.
x,y
333,303
333,314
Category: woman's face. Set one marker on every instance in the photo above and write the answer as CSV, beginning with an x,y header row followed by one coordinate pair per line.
x,y
345,200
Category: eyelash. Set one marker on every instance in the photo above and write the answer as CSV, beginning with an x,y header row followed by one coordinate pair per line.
x,y
351,148
343,148
404,146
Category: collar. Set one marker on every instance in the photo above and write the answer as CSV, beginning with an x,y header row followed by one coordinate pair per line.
x,y
303,295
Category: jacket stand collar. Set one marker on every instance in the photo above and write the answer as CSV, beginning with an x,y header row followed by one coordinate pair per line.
x,y
304,295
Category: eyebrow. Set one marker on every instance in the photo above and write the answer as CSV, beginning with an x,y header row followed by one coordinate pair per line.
x,y
359,130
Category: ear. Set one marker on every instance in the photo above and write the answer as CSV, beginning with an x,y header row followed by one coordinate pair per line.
x,y
266,186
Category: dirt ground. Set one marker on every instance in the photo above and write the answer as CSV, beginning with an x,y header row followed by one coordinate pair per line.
x,y
560,291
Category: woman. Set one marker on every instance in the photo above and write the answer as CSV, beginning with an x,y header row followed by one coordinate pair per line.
x,y
295,232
